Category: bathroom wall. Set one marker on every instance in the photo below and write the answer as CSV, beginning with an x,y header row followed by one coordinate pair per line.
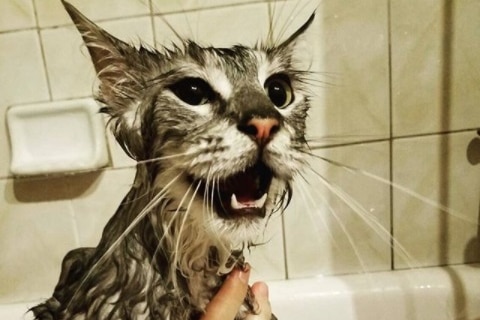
x,y
393,128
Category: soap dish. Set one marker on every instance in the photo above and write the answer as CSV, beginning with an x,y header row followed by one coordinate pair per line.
x,y
56,137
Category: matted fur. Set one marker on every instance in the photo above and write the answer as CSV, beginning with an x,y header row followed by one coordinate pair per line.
x,y
166,250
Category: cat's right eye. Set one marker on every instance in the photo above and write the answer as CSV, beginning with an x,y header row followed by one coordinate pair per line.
x,y
279,90
194,91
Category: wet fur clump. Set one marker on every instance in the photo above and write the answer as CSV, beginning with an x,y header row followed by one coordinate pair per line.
x,y
218,135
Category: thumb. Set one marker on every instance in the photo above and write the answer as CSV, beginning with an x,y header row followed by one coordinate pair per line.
x,y
260,290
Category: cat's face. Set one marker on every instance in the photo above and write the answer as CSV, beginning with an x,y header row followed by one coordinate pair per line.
x,y
223,129
236,117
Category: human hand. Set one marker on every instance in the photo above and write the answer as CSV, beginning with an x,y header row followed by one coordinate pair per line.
x,y
226,303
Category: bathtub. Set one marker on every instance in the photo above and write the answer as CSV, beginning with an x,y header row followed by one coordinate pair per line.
x,y
417,294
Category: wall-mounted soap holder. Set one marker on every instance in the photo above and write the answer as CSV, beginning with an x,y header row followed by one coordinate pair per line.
x,y
56,137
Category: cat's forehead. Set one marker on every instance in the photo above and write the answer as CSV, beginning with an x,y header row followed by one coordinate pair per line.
x,y
236,61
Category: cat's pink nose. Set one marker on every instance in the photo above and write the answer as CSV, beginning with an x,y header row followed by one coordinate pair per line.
x,y
262,129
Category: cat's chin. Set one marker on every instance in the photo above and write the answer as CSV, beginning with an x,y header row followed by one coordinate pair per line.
x,y
237,232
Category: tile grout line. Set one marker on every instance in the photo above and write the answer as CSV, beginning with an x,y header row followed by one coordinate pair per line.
x,y
152,23
284,244
42,51
390,144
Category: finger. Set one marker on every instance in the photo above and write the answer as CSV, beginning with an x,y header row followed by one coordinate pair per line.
x,y
260,290
226,303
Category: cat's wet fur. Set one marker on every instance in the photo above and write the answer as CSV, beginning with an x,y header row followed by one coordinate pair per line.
x,y
219,135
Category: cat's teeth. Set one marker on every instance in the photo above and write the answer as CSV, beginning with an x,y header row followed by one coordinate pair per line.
x,y
259,203
234,203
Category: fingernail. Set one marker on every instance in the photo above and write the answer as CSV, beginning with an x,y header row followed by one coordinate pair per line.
x,y
244,274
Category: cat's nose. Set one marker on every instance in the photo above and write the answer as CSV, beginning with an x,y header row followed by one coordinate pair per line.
x,y
261,129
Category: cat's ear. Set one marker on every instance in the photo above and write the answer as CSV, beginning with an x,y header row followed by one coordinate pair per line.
x,y
111,57
120,68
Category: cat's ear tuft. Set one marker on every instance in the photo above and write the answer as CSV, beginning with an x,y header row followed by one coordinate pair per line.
x,y
298,35
296,51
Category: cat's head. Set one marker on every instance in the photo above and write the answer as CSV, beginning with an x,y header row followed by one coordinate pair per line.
x,y
226,125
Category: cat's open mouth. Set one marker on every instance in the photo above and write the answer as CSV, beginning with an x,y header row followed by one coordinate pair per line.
x,y
241,195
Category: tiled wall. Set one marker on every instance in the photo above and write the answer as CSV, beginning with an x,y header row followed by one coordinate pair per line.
x,y
398,100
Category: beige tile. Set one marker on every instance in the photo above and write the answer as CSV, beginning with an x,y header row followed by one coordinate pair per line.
x,y
188,5
23,76
36,230
435,66
436,204
339,219
353,95
102,194
23,80
51,12
69,66
246,24
16,15
268,260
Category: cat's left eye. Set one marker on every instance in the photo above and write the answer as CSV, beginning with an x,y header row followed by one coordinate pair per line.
x,y
194,91
279,90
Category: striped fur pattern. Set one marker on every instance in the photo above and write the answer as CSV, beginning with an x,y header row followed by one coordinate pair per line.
x,y
206,185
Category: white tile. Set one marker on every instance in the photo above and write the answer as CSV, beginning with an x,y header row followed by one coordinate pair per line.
x,y
23,76
69,66
436,206
268,260
23,80
16,15
36,231
98,202
353,95
246,25
187,5
51,12
340,224
435,66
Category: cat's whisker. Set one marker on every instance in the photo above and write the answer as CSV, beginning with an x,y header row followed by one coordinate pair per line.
x,y
293,12
205,204
167,229
308,199
306,195
146,192
312,79
339,221
327,141
380,230
434,204
273,18
154,202
168,157
179,236
155,8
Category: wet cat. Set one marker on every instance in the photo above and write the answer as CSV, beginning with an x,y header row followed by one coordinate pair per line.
x,y
219,135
